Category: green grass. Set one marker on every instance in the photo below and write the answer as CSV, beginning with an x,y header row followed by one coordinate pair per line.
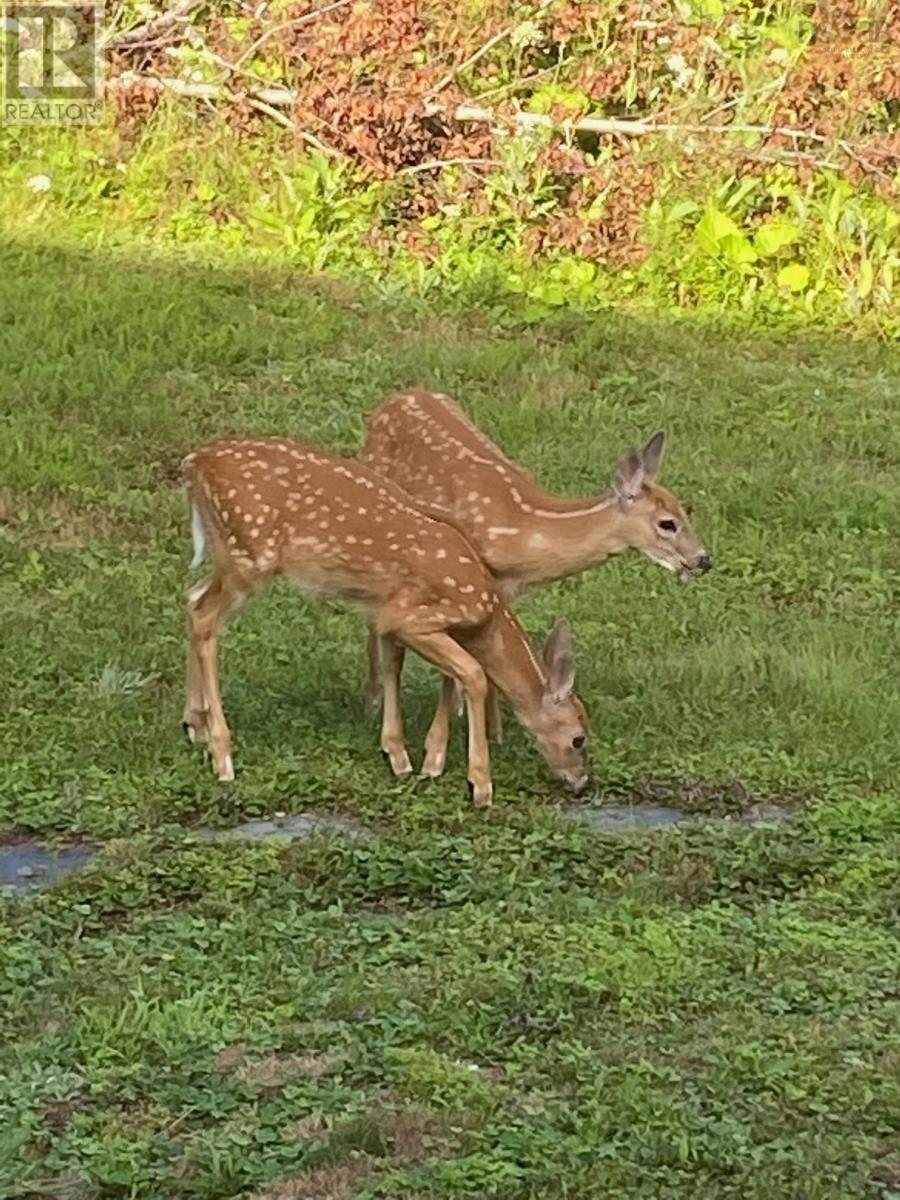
x,y
464,1004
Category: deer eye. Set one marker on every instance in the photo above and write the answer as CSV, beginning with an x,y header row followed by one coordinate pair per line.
x,y
578,742
668,525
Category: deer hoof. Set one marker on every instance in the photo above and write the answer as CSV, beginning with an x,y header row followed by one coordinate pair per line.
x,y
225,772
433,766
481,796
399,761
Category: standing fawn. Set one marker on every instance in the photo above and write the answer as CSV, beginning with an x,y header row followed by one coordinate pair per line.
x,y
266,507
425,443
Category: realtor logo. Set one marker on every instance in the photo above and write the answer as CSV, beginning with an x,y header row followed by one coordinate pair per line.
x,y
52,64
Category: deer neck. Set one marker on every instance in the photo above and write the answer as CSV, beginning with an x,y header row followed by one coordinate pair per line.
x,y
555,537
507,658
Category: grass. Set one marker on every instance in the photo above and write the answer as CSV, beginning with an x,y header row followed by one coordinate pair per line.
x,y
461,1005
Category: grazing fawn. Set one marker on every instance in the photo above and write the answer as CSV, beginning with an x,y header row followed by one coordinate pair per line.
x,y
425,443
266,507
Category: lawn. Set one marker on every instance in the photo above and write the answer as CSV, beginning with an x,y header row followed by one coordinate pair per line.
x,y
458,1004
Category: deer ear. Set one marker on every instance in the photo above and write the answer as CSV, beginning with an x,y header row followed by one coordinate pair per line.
x,y
651,455
629,479
559,663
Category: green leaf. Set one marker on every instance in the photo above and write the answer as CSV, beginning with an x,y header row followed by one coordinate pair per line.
x,y
736,249
681,209
596,208
305,221
866,278
535,312
553,94
631,88
205,192
773,236
713,228
548,293
576,272
794,277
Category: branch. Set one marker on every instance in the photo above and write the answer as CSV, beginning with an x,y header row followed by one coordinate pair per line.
x,y
269,99
263,100
150,31
303,134
277,97
629,128
480,53
295,23
437,164
467,113
863,162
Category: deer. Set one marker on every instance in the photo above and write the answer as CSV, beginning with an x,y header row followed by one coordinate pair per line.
x,y
424,442
263,508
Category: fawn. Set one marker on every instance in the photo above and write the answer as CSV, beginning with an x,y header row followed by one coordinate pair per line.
x,y
266,507
424,442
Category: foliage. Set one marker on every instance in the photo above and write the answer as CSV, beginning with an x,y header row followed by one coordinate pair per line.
x,y
767,224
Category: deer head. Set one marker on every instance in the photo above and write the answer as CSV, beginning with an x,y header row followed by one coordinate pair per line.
x,y
558,720
652,519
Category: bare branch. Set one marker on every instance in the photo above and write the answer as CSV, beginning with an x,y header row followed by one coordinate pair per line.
x,y
480,53
151,31
303,134
615,125
436,164
294,24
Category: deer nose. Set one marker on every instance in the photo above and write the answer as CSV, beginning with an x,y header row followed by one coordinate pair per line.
x,y
704,563
577,782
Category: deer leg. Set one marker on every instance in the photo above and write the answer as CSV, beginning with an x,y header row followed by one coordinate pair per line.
x,y
452,659
493,715
207,612
195,719
374,693
439,731
393,744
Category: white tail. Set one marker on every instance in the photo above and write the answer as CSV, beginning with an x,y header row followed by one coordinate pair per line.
x,y
267,507
197,536
424,442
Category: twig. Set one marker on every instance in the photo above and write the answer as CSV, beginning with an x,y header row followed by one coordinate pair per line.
x,y
507,89
629,128
481,51
863,162
794,156
278,97
274,113
435,164
303,134
263,99
294,24
151,30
